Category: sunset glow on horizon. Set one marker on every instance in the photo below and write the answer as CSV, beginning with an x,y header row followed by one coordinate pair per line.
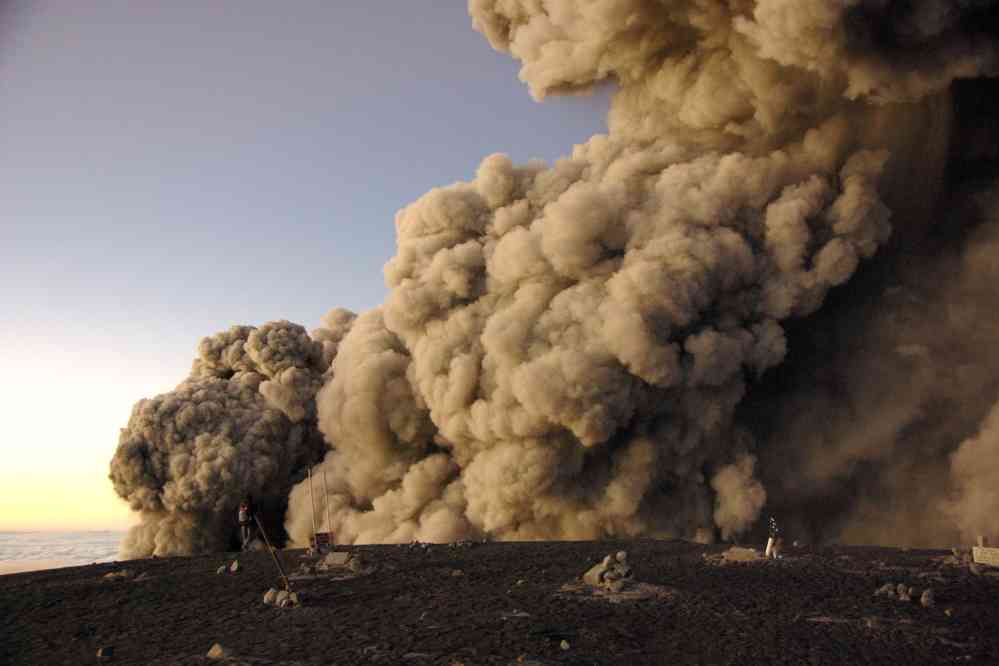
x,y
55,471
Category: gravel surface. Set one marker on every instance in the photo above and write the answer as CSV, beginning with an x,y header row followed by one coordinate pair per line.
x,y
508,603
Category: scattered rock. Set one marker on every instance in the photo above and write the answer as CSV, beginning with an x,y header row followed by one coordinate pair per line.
x,y
219,652
887,590
220,570
512,615
119,575
457,572
334,560
141,577
741,554
234,567
899,591
927,599
564,644
949,612
270,596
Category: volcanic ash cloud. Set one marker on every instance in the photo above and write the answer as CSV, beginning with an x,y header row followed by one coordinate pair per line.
x,y
565,349
241,423
567,346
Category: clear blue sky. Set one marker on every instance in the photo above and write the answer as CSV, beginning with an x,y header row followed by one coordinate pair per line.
x,y
168,169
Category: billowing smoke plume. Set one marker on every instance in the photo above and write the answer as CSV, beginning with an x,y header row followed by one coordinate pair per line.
x,y
611,346
242,423
867,434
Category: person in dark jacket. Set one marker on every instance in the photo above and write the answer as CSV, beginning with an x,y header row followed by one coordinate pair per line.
x,y
246,520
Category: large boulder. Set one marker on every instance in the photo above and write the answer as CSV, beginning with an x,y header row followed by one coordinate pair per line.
x,y
612,573
334,560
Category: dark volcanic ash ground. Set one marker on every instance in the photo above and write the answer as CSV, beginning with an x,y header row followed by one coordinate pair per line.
x,y
507,603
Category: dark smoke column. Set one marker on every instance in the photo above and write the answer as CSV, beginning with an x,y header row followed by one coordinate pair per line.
x,y
242,423
566,347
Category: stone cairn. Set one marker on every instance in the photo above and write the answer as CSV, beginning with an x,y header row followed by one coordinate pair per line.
x,y
903,592
612,573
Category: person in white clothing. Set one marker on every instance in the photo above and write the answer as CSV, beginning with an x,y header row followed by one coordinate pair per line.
x,y
774,543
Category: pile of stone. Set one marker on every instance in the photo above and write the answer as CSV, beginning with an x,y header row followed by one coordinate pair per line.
x,y
282,598
612,573
904,592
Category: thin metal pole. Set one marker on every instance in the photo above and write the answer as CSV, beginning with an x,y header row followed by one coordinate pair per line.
x,y
329,521
312,497
270,549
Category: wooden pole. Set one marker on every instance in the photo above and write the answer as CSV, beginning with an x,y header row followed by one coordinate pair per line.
x,y
329,521
270,549
312,497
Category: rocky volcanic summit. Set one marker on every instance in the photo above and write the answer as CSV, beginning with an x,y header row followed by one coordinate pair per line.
x,y
671,602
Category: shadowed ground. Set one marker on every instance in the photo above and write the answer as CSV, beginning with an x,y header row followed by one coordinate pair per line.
x,y
510,601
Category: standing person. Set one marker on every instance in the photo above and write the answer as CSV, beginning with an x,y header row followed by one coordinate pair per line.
x,y
246,518
775,542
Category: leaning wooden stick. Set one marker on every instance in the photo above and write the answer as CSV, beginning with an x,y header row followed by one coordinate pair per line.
x,y
270,548
312,498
